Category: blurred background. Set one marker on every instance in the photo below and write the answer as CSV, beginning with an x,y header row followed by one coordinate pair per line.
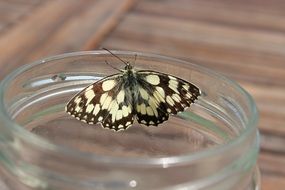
x,y
244,40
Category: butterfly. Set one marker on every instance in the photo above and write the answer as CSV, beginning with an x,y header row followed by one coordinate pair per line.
x,y
145,95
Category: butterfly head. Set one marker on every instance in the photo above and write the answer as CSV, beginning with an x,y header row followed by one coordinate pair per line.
x,y
128,67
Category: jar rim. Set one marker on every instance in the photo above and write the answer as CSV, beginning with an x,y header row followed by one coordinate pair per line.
x,y
170,160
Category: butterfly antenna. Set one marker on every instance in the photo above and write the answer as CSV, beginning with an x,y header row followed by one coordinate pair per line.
x,y
135,59
126,63
112,66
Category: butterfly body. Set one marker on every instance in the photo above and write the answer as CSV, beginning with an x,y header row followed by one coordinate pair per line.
x,y
117,100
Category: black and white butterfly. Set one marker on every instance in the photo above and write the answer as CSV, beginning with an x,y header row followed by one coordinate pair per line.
x,y
145,95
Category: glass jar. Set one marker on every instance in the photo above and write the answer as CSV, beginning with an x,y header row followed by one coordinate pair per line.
x,y
213,145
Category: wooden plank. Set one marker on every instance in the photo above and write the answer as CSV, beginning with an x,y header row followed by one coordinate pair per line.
x,y
241,39
11,11
109,24
24,39
206,33
272,182
95,22
273,143
233,14
76,27
272,164
147,33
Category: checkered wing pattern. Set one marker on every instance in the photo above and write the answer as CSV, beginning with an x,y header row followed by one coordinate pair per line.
x,y
103,102
117,99
160,94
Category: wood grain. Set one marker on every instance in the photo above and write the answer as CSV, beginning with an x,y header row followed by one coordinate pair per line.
x,y
53,30
244,40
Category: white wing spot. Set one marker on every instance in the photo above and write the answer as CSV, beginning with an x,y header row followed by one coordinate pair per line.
x,y
77,108
169,100
158,96
96,109
89,108
103,98
151,122
171,77
114,111
119,115
89,95
176,97
160,91
186,86
152,79
143,108
138,108
155,112
130,109
121,96
174,89
107,102
128,123
149,111
152,101
168,110
153,105
125,111
188,95
77,100
89,88
121,126
173,84
143,93
111,105
100,118
108,85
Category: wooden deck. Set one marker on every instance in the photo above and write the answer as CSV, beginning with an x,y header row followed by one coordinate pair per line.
x,y
244,40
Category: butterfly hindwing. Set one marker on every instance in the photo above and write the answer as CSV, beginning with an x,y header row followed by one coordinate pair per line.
x,y
120,111
149,109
